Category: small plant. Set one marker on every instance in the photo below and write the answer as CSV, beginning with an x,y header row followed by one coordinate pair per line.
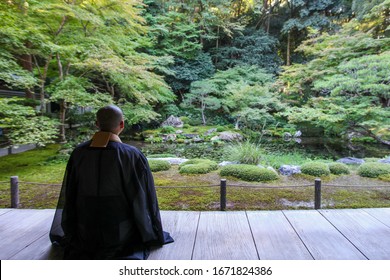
x,y
249,172
315,169
245,153
168,129
159,165
198,166
338,168
384,177
373,169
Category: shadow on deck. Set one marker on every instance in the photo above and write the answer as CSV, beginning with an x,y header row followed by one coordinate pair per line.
x,y
347,234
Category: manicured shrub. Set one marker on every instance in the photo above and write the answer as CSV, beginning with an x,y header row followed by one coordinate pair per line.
x,y
159,165
373,169
249,172
315,169
198,166
338,168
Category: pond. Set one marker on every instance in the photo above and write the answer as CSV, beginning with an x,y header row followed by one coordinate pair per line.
x,y
310,146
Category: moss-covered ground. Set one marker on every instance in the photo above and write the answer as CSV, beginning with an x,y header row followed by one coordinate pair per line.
x,y
195,192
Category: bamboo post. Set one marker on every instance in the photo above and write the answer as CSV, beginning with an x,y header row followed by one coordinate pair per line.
x,y
223,195
14,192
317,193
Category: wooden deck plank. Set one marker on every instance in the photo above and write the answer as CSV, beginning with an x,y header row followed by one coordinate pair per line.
x,y
19,229
182,226
368,234
323,240
275,238
40,249
382,214
4,210
224,236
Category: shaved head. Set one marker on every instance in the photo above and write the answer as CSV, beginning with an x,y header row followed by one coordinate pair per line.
x,y
109,118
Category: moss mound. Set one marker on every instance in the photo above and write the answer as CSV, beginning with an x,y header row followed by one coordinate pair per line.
x,y
248,172
338,168
374,169
197,166
315,169
159,165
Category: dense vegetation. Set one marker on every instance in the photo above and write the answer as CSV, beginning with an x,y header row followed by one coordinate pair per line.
x,y
260,65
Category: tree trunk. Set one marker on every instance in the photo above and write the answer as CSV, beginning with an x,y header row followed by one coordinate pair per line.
x,y
62,121
63,106
288,49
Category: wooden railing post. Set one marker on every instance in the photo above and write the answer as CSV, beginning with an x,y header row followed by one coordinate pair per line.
x,y
223,195
14,192
317,193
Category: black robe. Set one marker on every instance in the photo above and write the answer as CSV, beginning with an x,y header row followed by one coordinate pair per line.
x,y
107,207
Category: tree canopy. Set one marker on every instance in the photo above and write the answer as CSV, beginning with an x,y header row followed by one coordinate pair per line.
x,y
256,64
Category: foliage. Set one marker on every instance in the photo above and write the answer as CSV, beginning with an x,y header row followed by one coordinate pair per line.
x,y
248,172
244,152
198,166
338,168
22,125
373,169
252,47
315,169
158,165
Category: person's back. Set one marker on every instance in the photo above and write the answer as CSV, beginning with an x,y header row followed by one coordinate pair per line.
x,y
108,204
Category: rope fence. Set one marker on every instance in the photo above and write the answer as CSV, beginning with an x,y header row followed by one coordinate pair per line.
x,y
223,186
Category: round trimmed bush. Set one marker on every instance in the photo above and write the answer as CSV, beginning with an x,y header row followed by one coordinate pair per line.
x,y
338,168
315,169
373,169
249,172
197,166
159,165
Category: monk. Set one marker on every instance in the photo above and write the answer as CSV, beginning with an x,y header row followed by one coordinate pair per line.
x,y
108,207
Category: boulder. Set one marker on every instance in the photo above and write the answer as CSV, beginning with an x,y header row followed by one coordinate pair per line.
x,y
224,163
230,136
289,170
173,161
210,131
385,160
351,160
173,121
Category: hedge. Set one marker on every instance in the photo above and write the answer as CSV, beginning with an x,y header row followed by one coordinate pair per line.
x,y
338,168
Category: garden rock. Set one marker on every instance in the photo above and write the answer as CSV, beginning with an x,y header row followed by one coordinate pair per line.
x,y
230,136
210,131
351,160
224,163
289,170
173,121
385,160
171,160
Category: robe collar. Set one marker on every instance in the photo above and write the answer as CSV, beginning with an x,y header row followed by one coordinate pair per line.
x,y
101,139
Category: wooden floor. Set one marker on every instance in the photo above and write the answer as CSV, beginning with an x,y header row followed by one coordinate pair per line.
x,y
268,235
